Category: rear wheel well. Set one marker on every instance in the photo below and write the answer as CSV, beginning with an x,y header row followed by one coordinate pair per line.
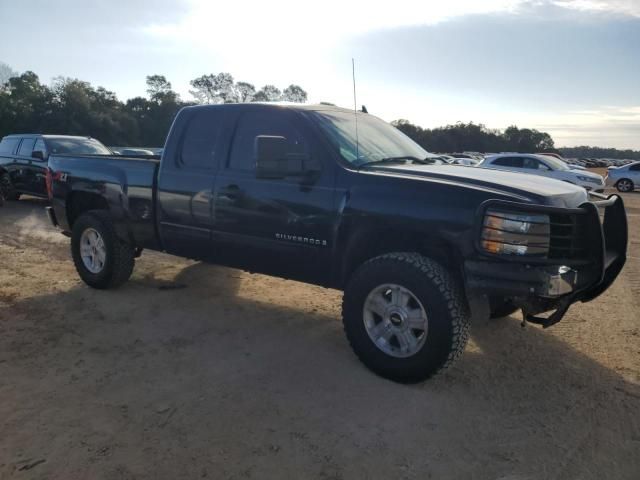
x,y
375,243
81,202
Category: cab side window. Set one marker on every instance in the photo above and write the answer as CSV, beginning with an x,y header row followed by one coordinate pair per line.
x,y
201,148
252,124
26,147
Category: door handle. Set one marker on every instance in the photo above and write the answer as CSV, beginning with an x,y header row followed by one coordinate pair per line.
x,y
230,192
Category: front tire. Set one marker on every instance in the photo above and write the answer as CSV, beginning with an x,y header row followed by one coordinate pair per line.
x,y
405,316
102,260
624,185
6,188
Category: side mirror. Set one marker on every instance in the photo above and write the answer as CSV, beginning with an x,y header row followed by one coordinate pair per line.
x,y
273,160
39,154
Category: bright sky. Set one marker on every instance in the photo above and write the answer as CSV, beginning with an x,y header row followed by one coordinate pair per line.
x,y
569,67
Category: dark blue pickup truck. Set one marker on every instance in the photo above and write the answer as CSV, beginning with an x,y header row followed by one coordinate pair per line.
x,y
308,193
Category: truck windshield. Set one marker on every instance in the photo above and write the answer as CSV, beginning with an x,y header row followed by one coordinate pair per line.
x,y
377,140
77,146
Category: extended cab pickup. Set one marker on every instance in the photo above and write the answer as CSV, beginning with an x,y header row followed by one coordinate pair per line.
x,y
305,192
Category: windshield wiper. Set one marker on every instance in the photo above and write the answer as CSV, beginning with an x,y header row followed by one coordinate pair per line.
x,y
400,159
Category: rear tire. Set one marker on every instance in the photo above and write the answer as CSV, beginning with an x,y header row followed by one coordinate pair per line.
x,y
102,260
625,185
401,352
6,188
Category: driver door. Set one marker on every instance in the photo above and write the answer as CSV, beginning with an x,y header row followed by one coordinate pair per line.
x,y
276,226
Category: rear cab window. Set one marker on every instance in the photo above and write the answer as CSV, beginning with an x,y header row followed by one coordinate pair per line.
x,y
201,147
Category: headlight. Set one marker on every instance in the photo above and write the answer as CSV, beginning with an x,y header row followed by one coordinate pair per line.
x,y
515,234
597,181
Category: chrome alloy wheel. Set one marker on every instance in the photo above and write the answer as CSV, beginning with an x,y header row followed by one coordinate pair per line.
x,y
92,250
395,320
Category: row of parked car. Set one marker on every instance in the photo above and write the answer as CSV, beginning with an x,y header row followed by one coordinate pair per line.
x,y
621,174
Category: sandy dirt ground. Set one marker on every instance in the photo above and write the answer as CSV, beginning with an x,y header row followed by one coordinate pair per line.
x,y
196,371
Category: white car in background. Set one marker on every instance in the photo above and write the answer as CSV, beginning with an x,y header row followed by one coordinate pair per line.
x,y
545,166
625,178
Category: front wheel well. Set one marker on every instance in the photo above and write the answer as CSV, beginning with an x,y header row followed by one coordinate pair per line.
x,y
368,245
81,202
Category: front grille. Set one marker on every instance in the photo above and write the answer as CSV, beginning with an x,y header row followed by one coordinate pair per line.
x,y
569,237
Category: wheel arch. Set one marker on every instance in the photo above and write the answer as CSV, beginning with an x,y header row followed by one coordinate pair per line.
x,y
633,184
369,243
79,202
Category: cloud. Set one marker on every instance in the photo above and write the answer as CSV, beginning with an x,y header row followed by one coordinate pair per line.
x,y
617,126
223,26
623,7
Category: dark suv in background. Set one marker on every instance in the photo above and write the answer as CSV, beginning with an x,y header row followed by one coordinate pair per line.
x,y
23,160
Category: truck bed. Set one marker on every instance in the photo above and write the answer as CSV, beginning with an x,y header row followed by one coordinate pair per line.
x,y
125,184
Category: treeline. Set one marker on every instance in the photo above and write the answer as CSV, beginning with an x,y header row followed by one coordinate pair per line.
x,y
474,137
598,152
74,107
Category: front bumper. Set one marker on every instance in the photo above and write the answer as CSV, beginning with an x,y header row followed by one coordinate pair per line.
x,y
539,285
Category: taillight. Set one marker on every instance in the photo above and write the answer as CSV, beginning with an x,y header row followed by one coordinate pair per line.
x,y
49,181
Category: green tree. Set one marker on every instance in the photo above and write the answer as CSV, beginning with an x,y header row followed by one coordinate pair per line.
x,y
246,92
294,93
268,93
212,88
6,72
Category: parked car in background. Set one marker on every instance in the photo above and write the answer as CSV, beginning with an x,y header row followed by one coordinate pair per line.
x,y
467,162
544,166
572,166
625,178
23,160
134,152
466,159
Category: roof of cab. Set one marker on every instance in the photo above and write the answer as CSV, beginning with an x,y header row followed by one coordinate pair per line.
x,y
20,135
279,105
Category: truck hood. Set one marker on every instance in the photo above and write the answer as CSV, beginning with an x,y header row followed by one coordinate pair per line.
x,y
534,188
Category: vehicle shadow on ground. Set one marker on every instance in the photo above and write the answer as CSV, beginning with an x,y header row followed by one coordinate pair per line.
x,y
224,370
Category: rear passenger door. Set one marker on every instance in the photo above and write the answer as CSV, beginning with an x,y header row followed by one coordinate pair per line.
x,y
33,170
186,179
275,226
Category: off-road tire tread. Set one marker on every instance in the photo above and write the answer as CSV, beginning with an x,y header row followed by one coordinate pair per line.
x,y
120,262
446,285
